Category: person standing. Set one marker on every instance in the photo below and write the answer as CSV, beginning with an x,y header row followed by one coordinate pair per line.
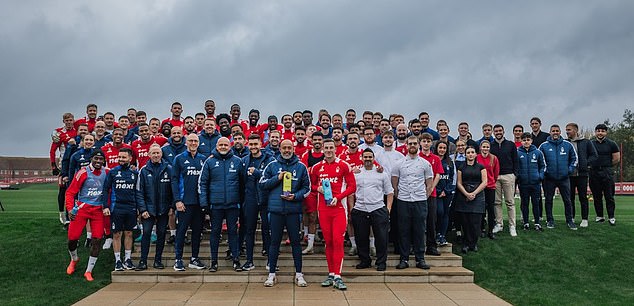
x,y
445,189
506,152
285,206
586,154
537,134
561,161
221,188
412,180
602,173
472,180
426,141
154,200
185,175
309,159
120,204
87,186
491,164
530,176
333,216
371,212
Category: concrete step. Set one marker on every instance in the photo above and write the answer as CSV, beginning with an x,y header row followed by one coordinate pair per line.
x,y
313,275
313,260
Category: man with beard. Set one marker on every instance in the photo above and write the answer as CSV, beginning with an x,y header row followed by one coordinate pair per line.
x,y
273,148
324,124
369,137
376,120
415,127
186,172
602,175
141,146
401,136
120,204
224,127
351,117
220,188
87,186
506,152
367,118
210,109
235,113
189,125
586,154
285,206
384,126
309,159
175,119
307,118
108,118
297,119
538,135
254,205
208,137
301,144
253,127
239,149
337,136
154,201
90,119
287,128
389,159
352,156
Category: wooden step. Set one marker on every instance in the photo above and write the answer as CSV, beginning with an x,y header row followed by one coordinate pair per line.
x,y
313,275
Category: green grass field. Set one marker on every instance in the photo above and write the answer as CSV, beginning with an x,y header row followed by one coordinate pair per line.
x,y
556,267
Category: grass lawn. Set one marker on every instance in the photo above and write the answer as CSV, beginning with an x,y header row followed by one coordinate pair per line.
x,y
589,266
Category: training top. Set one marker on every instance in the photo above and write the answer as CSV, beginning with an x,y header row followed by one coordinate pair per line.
x,y
120,189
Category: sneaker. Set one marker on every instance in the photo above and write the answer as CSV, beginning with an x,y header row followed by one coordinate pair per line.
x,y
550,224
363,265
572,225
338,284
248,266
228,256
353,251
277,268
107,244
128,264
380,267
195,263
178,265
443,241
599,219
373,251
512,231
402,265
237,266
118,266
88,276
265,253
527,226
612,221
138,239
422,265
497,228
71,266
213,267
300,281
308,250
87,243
141,266
538,227
432,251
171,239
329,281
270,281
158,265
584,223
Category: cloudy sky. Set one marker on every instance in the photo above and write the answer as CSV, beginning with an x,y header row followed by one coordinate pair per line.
x,y
494,61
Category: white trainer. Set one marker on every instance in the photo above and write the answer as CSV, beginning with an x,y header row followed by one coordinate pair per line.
x,y
270,281
373,251
584,223
300,281
497,228
107,244
308,250
512,231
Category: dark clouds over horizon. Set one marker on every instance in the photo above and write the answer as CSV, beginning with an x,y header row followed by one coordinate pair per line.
x,y
484,61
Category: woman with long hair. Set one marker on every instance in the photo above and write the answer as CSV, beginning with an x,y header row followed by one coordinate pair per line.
x,y
472,179
492,165
445,190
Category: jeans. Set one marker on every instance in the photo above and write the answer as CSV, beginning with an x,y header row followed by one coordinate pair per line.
x,y
442,213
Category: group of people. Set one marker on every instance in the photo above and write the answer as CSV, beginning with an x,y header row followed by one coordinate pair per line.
x,y
373,181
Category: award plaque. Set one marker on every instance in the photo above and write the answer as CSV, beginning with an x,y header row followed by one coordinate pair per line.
x,y
325,184
287,184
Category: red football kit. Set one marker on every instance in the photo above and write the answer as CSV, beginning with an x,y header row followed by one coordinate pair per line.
x,y
333,219
301,148
86,120
339,149
173,122
112,153
288,134
64,136
309,159
142,151
88,183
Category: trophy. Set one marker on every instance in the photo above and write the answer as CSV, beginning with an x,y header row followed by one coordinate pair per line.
x,y
325,184
287,184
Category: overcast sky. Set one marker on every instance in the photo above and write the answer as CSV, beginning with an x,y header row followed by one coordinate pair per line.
x,y
493,61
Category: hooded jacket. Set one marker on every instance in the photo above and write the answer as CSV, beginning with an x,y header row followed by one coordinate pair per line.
x,y
170,150
531,166
154,189
560,158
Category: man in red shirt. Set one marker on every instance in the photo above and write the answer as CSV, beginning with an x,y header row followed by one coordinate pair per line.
x,y
436,166
189,126
235,117
90,119
61,136
300,142
253,127
352,156
309,159
333,216
210,109
141,146
111,149
200,122
287,128
176,119
337,136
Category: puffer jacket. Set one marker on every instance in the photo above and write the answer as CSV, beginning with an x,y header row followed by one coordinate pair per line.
x,y
272,185
560,158
221,181
531,166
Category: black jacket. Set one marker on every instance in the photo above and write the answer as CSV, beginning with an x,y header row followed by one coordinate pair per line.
x,y
586,155
506,153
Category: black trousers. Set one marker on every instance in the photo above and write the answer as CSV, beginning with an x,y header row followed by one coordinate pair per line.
x,y
431,223
393,234
471,228
602,185
580,183
412,217
489,201
161,225
379,221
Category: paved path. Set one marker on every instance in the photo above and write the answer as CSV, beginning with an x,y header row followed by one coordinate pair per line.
x,y
365,294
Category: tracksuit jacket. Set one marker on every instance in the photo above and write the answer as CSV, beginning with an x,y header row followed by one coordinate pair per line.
x,y
252,193
185,173
120,188
560,158
79,159
221,181
531,166
586,154
273,186
207,142
171,150
154,189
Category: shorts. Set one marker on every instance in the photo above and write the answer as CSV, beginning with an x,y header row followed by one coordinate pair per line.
x,y
87,212
310,203
122,221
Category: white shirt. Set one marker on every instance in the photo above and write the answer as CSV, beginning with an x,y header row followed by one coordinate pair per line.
x,y
371,187
389,159
412,173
